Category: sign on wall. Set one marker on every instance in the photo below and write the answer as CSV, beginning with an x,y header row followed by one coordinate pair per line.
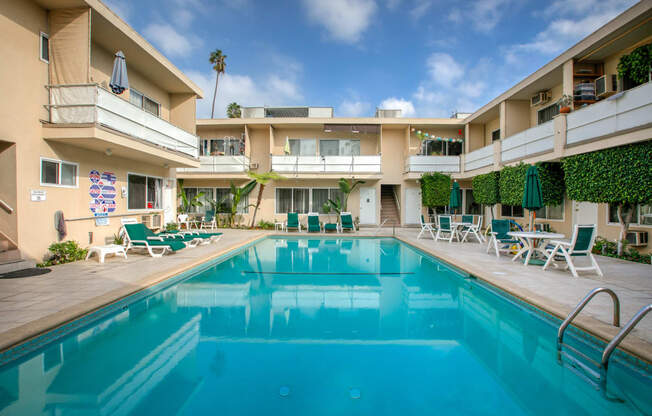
x,y
37,195
102,192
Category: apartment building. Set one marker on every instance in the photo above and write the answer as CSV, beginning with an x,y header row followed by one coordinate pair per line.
x,y
74,156
312,149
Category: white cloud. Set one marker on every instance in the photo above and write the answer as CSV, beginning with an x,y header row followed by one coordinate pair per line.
x,y
271,90
393,103
169,40
120,7
350,108
483,15
344,20
443,68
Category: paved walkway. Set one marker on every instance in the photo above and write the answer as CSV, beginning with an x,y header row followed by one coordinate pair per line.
x,y
32,305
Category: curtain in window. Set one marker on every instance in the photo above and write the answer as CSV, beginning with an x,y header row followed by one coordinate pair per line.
x,y
329,147
319,198
645,215
137,191
49,172
349,147
301,200
154,193
283,200
303,147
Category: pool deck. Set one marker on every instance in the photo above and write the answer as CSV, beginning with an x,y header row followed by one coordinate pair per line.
x,y
30,306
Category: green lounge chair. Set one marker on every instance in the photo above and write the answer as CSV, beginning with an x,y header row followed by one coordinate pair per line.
x,y
346,222
313,223
292,222
328,227
139,236
499,240
581,245
205,237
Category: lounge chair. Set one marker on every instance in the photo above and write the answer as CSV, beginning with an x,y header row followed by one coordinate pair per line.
x,y
313,223
499,240
208,221
474,229
426,227
205,237
293,222
139,236
331,226
346,222
445,227
580,245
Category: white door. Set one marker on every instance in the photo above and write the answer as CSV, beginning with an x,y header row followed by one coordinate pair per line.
x,y
367,205
412,205
585,213
169,201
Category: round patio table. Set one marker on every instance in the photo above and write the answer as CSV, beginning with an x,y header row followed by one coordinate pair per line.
x,y
456,226
533,242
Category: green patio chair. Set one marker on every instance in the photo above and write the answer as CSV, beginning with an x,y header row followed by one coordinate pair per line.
x,y
313,223
293,222
330,227
580,245
346,222
426,227
139,236
499,240
208,221
445,227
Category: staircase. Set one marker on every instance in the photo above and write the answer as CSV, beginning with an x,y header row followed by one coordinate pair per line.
x,y
388,208
10,257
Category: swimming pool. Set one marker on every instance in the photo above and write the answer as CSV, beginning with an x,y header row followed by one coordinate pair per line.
x,y
317,326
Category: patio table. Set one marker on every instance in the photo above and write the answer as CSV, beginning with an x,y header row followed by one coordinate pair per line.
x,y
456,226
533,243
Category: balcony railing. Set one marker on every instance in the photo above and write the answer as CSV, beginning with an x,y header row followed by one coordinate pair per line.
x,y
619,113
538,139
88,103
479,158
219,164
449,164
326,164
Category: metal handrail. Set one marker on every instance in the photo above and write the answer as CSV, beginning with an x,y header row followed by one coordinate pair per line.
x,y
582,304
6,207
622,334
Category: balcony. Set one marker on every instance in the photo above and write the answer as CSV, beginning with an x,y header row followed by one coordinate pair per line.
x,y
619,113
479,158
446,164
535,140
88,104
219,164
349,165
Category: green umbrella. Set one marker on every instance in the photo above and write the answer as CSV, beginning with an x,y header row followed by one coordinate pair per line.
x,y
456,197
532,197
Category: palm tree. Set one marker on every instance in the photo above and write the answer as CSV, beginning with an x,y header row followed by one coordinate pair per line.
x,y
233,110
262,179
237,194
219,65
347,187
187,204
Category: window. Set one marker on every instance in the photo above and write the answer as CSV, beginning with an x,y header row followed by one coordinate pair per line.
x,y
642,214
470,206
220,196
303,147
140,100
440,148
58,173
547,113
45,48
144,192
551,212
339,147
495,135
219,147
511,211
304,200
321,197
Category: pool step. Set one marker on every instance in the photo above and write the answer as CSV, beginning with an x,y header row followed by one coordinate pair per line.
x,y
582,364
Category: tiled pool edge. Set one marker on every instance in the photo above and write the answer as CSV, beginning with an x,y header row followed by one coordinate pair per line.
x,y
632,344
21,340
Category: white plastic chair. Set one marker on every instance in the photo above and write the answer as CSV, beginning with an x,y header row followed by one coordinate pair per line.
x,y
426,227
445,227
580,245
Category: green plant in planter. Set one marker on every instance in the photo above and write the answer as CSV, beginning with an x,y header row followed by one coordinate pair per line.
x,y
486,189
118,239
435,190
171,226
64,252
636,65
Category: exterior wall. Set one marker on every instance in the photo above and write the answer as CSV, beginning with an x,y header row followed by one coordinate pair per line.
x,y
8,191
393,155
611,62
368,142
475,137
183,108
555,94
517,116
489,127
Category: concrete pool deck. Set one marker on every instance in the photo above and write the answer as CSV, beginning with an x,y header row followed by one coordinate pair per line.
x,y
30,306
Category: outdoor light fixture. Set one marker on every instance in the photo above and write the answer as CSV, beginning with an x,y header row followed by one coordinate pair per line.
x,y
354,129
108,152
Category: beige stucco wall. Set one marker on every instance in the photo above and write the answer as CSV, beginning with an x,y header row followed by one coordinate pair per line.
x,y
489,127
393,154
475,137
183,110
517,116
611,62
8,191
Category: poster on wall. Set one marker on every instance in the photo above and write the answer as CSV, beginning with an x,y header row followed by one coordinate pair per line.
x,y
102,192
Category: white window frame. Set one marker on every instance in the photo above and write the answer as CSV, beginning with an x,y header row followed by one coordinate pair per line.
x,y
563,213
142,105
338,140
635,224
215,188
146,177
40,47
59,162
310,189
304,138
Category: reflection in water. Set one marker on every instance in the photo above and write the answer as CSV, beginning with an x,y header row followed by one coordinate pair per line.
x,y
317,318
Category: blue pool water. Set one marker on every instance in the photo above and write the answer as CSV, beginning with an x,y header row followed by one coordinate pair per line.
x,y
341,326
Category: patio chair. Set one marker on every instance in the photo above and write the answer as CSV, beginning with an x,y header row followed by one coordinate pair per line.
x,y
475,229
426,227
313,223
208,221
580,245
330,227
346,222
292,222
205,237
445,227
499,240
137,236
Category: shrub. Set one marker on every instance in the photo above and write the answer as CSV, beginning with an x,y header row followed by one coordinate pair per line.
x,y
608,248
171,226
512,183
65,252
265,225
636,65
435,189
118,239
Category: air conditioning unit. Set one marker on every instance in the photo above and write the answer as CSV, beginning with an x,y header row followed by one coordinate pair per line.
x,y
606,85
254,165
539,98
637,238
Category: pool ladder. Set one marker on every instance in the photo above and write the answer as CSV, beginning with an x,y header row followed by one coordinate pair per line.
x,y
611,346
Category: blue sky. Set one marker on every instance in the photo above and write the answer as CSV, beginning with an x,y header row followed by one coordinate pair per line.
x,y
427,57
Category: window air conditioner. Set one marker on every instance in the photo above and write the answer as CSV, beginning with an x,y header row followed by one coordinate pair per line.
x,y
253,165
606,85
539,98
637,238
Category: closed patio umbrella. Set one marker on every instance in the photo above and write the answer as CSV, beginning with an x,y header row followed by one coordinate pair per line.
x,y
532,196
456,197
119,80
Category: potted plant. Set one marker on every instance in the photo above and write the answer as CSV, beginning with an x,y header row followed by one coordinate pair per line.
x,y
565,103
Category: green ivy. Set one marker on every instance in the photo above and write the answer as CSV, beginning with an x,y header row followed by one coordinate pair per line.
x,y
636,65
435,189
553,186
512,183
486,188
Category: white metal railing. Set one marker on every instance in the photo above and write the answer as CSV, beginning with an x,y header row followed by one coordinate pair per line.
x,y
89,103
326,164
537,139
629,110
220,164
479,158
432,164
